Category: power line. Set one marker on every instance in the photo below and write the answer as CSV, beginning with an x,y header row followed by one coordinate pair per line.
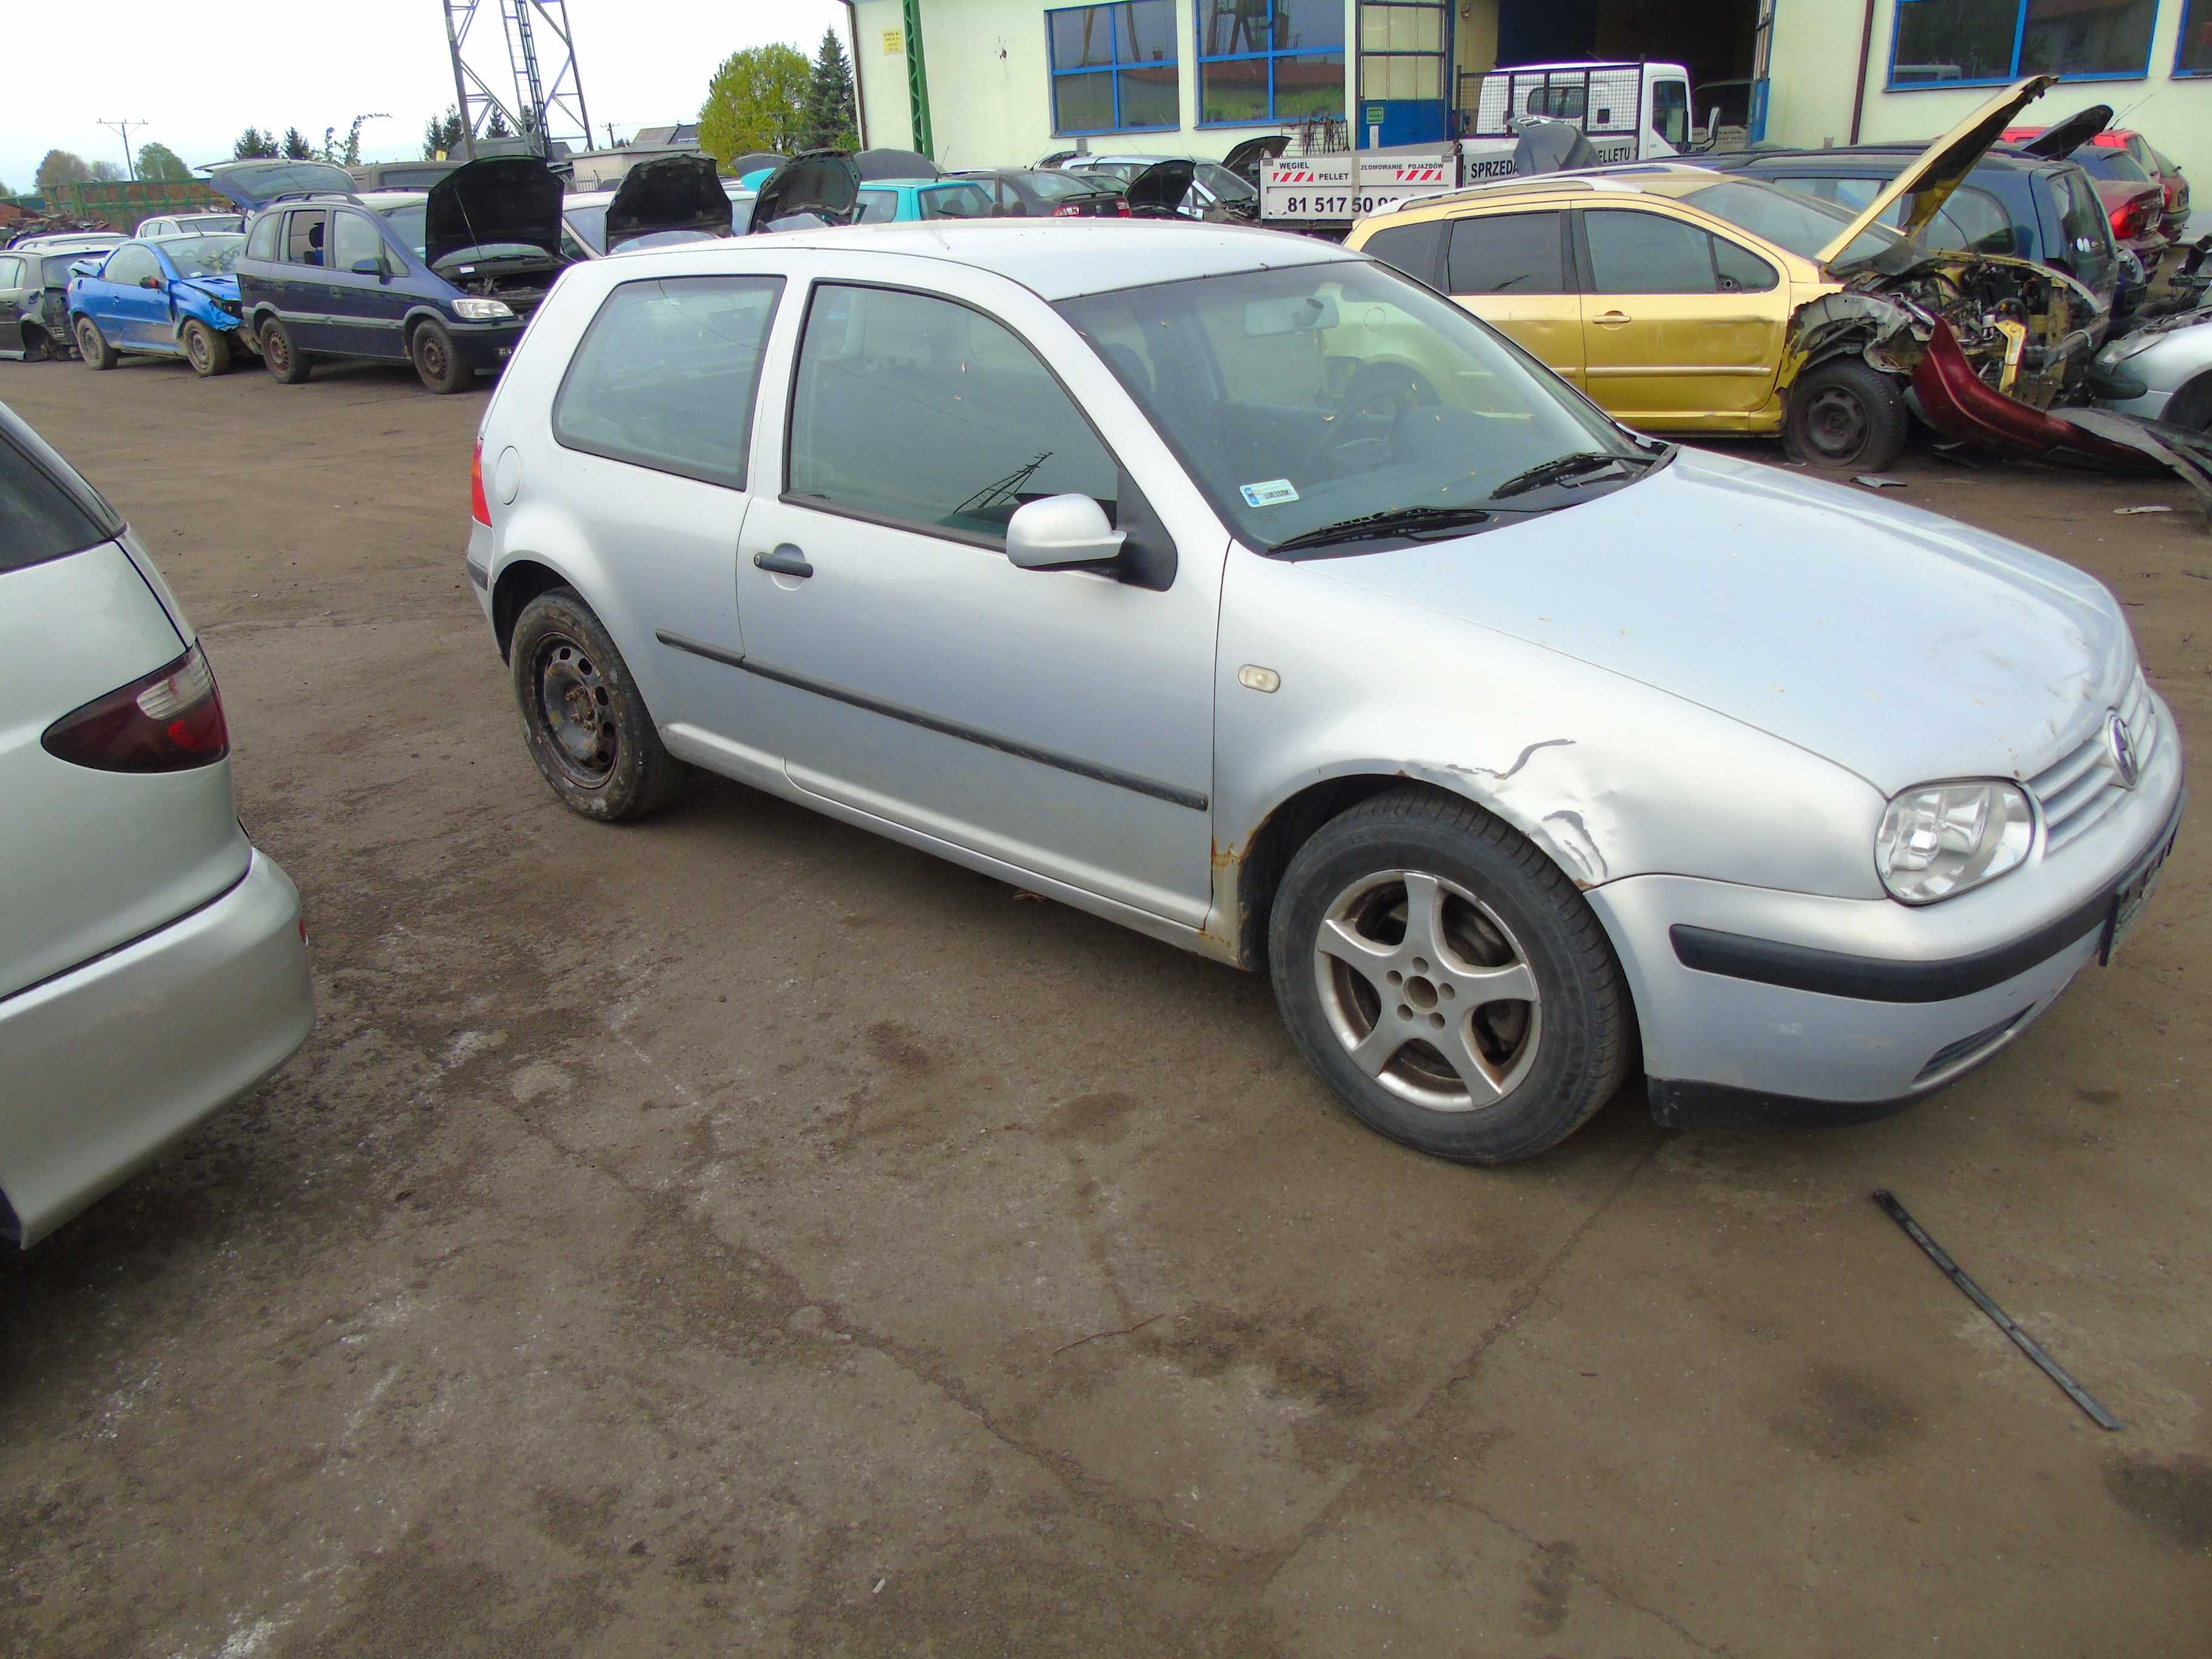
x,y
122,129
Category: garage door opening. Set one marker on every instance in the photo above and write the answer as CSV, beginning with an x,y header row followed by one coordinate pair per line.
x,y
1721,42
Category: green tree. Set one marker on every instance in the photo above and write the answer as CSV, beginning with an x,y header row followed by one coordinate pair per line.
x,y
441,135
252,143
830,121
158,161
105,171
756,101
62,167
296,146
497,126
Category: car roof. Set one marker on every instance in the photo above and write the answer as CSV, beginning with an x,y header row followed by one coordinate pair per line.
x,y
2003,155
1055,258
382,201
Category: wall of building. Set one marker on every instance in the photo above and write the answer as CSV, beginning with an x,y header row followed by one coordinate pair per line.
x,y
990,96
1816,49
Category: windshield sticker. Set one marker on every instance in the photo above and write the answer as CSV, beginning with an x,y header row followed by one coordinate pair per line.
x,y
1274,493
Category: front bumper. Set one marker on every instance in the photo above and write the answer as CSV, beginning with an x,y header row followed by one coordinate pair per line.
x,y
110,1062
485,347
1760,1005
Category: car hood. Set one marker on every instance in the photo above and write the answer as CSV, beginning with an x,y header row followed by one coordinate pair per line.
x,y
824,182
221,285
1162,186
500,198
1939,169
1898,645
669,192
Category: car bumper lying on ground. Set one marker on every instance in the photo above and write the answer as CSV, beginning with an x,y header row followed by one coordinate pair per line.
x,y
108,1063
1758,1005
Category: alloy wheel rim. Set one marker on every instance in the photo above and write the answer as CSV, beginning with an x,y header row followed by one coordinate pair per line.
x,y
1428,991
1837,423
575,710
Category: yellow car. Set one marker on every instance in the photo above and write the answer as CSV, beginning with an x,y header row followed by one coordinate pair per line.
x,y
1683,300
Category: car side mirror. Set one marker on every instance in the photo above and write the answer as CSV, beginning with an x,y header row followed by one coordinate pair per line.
x,y
1061,532
369,268
150,282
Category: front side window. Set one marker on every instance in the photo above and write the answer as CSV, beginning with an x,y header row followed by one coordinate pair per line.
x,y
1634,252
358,243
1670,112
954,201
1265,60
1309,398
131,265
666,375
1510,253
1939,42
1114,69
877,207
305,234
916,411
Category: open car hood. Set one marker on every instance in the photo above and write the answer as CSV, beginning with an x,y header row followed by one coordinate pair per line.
x,y
1162,186
500,198
825,183
669,192
1244,160
2056,143
1939,169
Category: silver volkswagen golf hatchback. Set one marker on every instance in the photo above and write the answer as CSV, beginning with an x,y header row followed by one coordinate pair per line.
x,y
1240,590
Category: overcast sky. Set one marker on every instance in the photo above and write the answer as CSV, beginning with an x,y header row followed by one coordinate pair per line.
x,y
319,65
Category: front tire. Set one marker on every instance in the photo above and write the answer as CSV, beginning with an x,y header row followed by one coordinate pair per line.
x,y
207,351
1846,415
280,355
93,347
1447,979
437,363
583,717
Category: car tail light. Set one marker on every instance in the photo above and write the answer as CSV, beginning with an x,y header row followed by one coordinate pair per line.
x,y
1067,213
169,721
1122,205
479,505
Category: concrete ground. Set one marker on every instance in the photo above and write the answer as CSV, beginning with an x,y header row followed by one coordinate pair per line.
x,y
735,1233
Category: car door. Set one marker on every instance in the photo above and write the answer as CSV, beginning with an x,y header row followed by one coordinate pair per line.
x,y
1058,723
1681,328
307,296
1515,270
130,299
15,293
365,314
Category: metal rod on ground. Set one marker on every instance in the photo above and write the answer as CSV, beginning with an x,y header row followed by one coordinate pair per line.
x,y
2004,1321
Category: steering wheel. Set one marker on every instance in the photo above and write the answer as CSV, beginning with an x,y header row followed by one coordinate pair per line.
x,y
1380,389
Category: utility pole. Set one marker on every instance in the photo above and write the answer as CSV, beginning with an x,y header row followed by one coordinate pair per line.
x,y
123,129
547,91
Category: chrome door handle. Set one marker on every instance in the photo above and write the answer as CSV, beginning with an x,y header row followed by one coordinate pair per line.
x,y
785,561
1611,319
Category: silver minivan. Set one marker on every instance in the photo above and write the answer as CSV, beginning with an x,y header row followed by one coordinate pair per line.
x,y
1236,588
153,963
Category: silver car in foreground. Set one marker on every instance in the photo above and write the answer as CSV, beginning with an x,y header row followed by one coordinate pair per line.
x,y
1236,588
2161,371
153,964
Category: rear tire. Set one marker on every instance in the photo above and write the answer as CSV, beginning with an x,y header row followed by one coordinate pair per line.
x,y
583,717
92,345
1845,416
1447,979
207,351
35,349
437,363
286,363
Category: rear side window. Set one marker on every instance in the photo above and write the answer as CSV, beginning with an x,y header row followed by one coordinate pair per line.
x,y
2082,226
39,519
304,233
262,244
916,411
1416,249
666,376
11,272
1507,253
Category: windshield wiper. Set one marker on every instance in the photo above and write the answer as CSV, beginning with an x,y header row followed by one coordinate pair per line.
x,y
1397,521
1566,466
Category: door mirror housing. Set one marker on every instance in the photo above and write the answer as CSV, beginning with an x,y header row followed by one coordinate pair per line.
x,y
150,282
369,268
1061,532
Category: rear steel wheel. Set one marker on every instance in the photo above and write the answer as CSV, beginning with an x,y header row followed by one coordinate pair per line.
x,y
572,705
583,717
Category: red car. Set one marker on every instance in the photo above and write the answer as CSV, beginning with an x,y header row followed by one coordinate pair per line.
x,y
2148,159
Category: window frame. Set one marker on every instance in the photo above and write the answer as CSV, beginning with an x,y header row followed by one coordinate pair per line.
x,y
284,240
884,520
779,285
1053,74
1273,117
1586,264
1891,84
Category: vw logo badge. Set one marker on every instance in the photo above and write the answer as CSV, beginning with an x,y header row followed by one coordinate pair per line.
x,y
2123,750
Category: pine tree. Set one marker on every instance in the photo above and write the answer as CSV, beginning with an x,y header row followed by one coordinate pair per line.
x,y
296,146
441,135
830,121
254,143
496,127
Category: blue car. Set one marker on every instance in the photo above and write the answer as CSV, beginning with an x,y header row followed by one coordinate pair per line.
x,y
167,296
883,200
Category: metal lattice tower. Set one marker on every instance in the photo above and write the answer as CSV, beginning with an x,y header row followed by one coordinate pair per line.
x,y
545,107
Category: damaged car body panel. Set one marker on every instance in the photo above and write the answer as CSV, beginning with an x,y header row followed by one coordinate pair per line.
x,y
145,295
35,323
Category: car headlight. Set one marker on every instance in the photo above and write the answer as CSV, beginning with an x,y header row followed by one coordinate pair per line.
x,y
482,311
1943,838
2134,346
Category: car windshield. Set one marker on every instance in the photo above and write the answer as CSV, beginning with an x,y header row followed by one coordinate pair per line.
x,y
954,201
1803,224
1308,398
2102,163
1226,186
407,222
203,256
590,222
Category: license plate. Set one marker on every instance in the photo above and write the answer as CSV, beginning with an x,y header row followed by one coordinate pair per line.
x,y
2134,891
